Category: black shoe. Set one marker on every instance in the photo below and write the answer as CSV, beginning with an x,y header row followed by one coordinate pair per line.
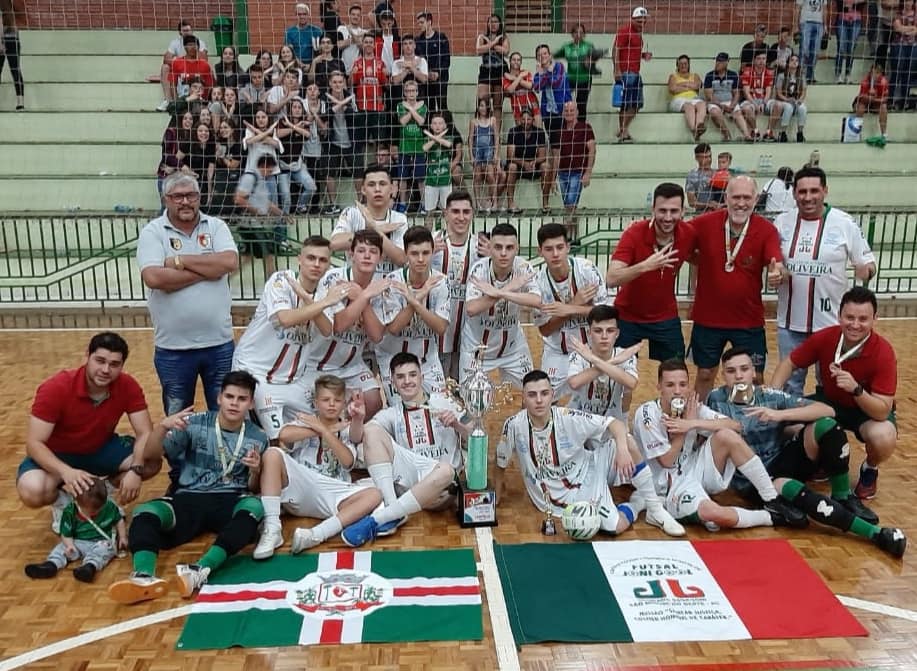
x,y
783,137
800,137
46,569
785,514
891,540
855,506
85,573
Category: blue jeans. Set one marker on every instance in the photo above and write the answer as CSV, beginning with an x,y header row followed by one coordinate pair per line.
x,y
847,34
301,177
787,341
811,42
178,370
571,186
904,63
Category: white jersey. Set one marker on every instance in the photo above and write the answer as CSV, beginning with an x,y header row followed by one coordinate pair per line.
x,y
455,263
339,352
602,396
316,454
419,430
274,353
582,273
653,440
351,220
561,458
498,328
817,254
417,337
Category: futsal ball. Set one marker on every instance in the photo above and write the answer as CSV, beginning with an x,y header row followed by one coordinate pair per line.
x,y
581,520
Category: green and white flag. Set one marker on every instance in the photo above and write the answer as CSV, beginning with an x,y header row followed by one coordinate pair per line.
x,y
338,597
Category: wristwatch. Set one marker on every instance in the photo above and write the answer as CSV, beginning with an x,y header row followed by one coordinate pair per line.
x,y
136,468
858,391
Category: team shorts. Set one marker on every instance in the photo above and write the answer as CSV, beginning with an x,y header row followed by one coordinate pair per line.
x,y
709,342
512,366
277,404
409,467
197,513
596,487
310,494
696,480
665,337
556,365
792,461
104,462
357,376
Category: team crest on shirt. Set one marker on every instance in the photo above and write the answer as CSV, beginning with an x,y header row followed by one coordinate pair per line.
x,y
175,243
203,239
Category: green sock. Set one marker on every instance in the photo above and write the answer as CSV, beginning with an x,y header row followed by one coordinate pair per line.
x,y
791,489
840,486
862,528
213,558
145,562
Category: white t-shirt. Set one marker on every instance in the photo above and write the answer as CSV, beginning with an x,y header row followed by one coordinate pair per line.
x,y
811,10
314,453
351,220
582,273
780,197
417,337
419,429
267,349
455,263
177,46
498,328
420,62
602,396
817,254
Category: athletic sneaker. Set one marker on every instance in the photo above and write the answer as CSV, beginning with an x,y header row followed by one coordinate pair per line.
x,y
190,578
785,514
303,540
360,532
858,508
891,540
163,106
46,569
389,528
271,539
138,587
332,209
660,517
869,482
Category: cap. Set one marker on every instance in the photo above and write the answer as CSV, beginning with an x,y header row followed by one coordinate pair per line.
x,y
722,56
386,14
640,13
761,28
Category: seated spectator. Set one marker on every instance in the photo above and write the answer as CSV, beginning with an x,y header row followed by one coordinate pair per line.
x,y
697,184
265,59
438,180
780,51
325,63
191,65
873,97
517,86
904,56
684,87
279,96
484,148
722,89
779,192
228,72
412,168
303,36
200,162
753,48
215,108
176,50
254,94
526,158
230,107
261,139
286,60
790,90
577,157
350,37
256,199
170,160
757,93
193,101
228,170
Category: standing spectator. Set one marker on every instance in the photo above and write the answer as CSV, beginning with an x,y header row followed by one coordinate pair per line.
x,y
779,192
343,149
412,168
438,180
184,68
279,96
292,132
384,7
170,159
493,46
200,162
628,52
388,41
410,67
256,199
303,36
228,73
551,79
685,88
518,85
10,51
228,169
316,111
368,78
331,23
185,259
433,45
350,37
757,91
575,162
753,48
722,89
526,158
232,110
904,56
286,60
484,147
265,59
697,184
885,17
810,23
780,51
176,50
580,56
790,90
254,94
849,22
326,63
873,97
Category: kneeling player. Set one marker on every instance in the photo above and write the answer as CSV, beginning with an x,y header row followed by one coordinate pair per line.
x,y
566,456
694,452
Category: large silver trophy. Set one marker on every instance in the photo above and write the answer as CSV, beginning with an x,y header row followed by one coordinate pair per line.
x,y
477,504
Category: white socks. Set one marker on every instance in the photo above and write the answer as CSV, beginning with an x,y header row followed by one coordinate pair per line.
x,y
271,506
752,518
402,507
326,529
757,475
384,478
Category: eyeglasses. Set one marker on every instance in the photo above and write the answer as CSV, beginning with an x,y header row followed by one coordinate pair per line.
x,y
184,197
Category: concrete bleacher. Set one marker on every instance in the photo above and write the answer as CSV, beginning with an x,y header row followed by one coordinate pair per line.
x,y
90,138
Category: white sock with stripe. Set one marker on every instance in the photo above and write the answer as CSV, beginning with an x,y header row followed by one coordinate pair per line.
x,y
757,475
406,505
384,478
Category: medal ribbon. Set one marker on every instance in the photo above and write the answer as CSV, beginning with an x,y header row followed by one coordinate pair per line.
x,y
732,254
840,358
222,452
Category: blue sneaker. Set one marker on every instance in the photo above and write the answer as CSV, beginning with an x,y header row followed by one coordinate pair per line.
x,y
360,532
389,528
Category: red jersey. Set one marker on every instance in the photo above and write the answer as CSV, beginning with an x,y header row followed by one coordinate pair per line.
x,y
628,48
650,297
182,68
757,82
874,366
81,425
732,300
521,98
874,86
368,78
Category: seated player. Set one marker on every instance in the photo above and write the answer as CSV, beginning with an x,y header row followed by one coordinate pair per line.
x,y
220,457
820,443
309,476
414,446
694,452
567,456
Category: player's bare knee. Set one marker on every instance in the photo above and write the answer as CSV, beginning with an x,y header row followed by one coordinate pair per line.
x,y
442,476
710,511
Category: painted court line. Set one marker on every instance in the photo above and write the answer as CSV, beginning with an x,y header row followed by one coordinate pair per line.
x,y
881,608
507,657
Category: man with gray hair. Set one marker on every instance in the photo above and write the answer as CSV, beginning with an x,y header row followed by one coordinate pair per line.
x,y
304,36
185,259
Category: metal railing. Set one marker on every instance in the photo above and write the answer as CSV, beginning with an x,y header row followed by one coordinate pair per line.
x,y
90,259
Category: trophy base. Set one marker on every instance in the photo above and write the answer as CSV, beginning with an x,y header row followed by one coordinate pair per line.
x,y
475,507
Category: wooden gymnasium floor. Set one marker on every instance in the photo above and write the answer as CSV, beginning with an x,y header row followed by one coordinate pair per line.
x,y
35,614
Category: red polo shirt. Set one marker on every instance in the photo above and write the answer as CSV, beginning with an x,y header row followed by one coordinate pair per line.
x,y
629,45
874,366
650,297
80,425
732,300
